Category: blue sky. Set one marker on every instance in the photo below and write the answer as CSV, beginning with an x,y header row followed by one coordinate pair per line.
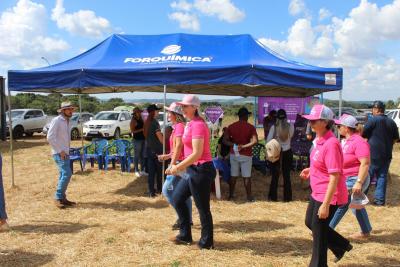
x,y
360,36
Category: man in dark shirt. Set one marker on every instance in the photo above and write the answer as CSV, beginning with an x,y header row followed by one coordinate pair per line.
x,y
381,132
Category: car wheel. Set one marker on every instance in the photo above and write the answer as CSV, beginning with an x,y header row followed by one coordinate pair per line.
x,y
74,134
18,132
117,133
30,134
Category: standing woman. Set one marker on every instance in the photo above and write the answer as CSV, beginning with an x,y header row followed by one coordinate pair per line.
x,y
200,173
175,116
356,156
136,126
328,188
282,131
154,139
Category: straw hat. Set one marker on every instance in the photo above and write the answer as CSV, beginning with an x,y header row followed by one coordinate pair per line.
x,y
66,105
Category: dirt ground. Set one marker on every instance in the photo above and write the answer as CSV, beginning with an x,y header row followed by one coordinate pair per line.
x,y
115,224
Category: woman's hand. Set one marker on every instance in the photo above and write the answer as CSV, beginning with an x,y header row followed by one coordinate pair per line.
x,y
172,170
357,188
323,211
305,174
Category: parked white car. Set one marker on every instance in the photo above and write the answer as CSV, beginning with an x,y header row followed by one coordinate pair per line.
x,y
76,123
394,114
26,121
108,124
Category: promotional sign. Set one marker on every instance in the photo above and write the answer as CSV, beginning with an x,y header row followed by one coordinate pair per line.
x,y
292,106
213,114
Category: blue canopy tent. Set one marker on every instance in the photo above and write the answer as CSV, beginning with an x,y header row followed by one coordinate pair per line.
x,y
235,65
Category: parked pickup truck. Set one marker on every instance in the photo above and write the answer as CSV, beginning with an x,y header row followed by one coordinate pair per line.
x,y
26,121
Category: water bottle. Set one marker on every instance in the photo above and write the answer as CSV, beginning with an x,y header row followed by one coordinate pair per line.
x,y
169,180
236,150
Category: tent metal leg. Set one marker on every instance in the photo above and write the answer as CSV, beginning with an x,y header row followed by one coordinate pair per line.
x,y
80,119
164,127
11,139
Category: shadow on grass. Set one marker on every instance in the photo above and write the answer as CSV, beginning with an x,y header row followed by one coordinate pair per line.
x,y
270,246
250,226
12,258
136,188
49,227
376,261
390,237
133,205
26,142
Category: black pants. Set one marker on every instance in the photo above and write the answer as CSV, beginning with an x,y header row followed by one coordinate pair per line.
x,y
155,171
287,162
196,183
324,237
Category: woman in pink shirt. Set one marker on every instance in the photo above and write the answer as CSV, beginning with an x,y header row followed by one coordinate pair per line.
x,y
328,188
356,156
200,173
175,116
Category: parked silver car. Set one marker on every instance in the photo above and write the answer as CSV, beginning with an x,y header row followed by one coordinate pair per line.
x,y
76,124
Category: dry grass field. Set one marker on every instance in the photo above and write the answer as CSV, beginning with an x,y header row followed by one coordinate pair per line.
x,y
114,224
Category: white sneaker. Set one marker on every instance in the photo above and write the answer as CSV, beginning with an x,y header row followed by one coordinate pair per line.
x,y
138,174
144,173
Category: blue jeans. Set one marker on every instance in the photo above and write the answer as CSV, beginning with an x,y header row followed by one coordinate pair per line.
x,y
3,214
138,149
380,170
361,215
198,185
168,189
65,176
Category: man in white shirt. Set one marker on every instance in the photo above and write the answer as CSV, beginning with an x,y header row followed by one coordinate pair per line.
x,y
59,138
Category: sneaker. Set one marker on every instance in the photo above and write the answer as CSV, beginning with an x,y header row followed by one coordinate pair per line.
x,y
340,256
66,202
138,174
59,204
143,173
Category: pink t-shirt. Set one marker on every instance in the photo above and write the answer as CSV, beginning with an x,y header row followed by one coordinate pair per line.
x,y
354,149
327,158
177,131
197,129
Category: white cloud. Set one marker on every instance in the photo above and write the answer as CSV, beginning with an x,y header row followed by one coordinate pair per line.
x,y
297,7
181,5
83,22
225,10
23,30
324,14
187,14
186,20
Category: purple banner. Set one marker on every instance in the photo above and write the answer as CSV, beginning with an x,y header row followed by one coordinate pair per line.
x,y
213,113
292,106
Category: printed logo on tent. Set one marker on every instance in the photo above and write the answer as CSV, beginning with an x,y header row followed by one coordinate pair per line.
x,y
170,56
330,78
171,49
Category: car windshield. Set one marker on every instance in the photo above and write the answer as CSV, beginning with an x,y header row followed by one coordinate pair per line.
x,y
15,113
75,117
108,116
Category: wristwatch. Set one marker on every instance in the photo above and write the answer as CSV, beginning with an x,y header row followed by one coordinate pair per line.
x,y
359,181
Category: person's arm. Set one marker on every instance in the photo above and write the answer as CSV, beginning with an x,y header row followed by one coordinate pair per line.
x,y
362,175
177,150
291,131
395,132
323,211
369,126
271,133
160,136
52,136
226,138
133,125
253,141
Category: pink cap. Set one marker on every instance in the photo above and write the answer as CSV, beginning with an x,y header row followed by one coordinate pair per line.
x,y
189,100
347,120
320,112
175,108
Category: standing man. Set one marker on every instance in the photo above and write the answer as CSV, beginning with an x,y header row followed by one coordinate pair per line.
x,y
381,132
59,138
241,136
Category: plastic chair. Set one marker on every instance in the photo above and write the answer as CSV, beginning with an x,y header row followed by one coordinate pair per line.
x,y
130,157
116,151
94,151
75,155
257,152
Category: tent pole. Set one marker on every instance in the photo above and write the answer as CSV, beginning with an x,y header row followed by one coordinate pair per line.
x,y
80,118
164,127
11,137
255,111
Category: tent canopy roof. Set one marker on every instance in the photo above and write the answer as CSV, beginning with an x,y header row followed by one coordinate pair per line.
x,y
186,63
